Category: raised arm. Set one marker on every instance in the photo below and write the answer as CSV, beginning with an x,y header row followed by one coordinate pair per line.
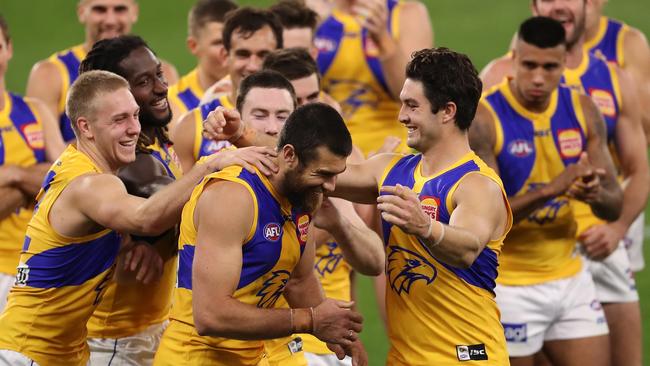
x,y
359,182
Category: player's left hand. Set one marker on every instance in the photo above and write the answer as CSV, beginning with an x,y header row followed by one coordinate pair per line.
x,y
260,157
223,124
587,186
328,216
401,206
599,241
356,351
144,261
373,15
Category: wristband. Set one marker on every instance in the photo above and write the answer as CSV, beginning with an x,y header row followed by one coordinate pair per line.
x,y
442,234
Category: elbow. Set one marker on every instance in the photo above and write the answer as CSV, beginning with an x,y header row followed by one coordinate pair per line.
x,y
210,325
467,257
374,267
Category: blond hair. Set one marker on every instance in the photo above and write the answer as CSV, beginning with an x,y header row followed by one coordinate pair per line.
x,y
83,93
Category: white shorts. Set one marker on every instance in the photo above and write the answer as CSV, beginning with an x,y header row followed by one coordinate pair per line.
x,y
613,277
554,310
634,243
6,282
137,350
314,359
11,358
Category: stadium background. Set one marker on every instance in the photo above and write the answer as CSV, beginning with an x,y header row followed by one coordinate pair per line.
x,y
482,29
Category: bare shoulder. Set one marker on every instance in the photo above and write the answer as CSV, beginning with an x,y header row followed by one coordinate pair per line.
x,y
229,202
44,73
494,72
184,126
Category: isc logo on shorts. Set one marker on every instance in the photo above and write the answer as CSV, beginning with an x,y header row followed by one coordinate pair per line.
x,y
272,231
515,332
474,352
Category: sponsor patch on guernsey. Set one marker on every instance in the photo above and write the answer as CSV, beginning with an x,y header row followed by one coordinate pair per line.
x,y
472,352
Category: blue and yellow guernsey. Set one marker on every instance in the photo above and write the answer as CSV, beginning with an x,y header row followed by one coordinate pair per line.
x,y
67,62
127,309
272,250
186,94
353,76
453,307
333,272
202,146
599,80
532,149
608,42
60,279
22,144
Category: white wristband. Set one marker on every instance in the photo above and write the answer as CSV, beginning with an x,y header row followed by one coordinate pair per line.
x,y
442,234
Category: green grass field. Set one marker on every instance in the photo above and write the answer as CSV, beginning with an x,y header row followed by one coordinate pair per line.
x,y
481,29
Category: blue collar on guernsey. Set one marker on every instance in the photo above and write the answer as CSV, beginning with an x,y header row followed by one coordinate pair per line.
x,y
483,272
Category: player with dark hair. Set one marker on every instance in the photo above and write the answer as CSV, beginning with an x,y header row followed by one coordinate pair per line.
x,y
204,40
51,78
240,256
548,143
30,141
298,24
249,35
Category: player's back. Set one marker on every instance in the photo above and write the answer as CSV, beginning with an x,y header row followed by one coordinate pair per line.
x,y
60,279
439,314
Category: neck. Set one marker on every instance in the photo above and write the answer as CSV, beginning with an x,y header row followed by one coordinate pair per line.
x,y
450,147
536,107
574,54
87,148
277,181
343,5
592,29
2,93
205,80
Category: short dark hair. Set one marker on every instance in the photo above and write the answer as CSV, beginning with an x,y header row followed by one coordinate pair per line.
x,y
293,63
267,79
313,125
249,20
295,14
108,53
447,76
542,32
4,27
206,11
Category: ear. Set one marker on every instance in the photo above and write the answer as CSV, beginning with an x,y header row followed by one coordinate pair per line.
x,y
135,12
223,52
313,51
10,50
289,156
84,128
81,12
191,44
449,112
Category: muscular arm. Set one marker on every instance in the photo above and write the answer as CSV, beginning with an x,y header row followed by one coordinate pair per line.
x,y
607,204
495,71
637,65
183,137
359,182
44,83
303,289
27,179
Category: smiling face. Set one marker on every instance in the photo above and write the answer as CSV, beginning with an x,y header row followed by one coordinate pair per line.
x,y
247,54
570,13
266,109
105,19
305,184
143,72
207,46
537,71
113,127
423,126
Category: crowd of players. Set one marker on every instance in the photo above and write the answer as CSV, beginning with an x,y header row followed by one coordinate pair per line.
x,y
218,218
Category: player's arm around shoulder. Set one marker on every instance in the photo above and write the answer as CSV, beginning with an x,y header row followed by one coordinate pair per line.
x,y
45,83
359,182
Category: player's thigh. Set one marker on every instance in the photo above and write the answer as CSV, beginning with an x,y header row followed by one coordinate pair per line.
x,y
326,360
593,351
6,282
613,277
634,243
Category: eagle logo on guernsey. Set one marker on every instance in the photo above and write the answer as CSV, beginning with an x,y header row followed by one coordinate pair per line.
x,y
604,101
34,136
570,141
520,148
272,288
328,263
430,206
405,267
549,212
272,231
303,228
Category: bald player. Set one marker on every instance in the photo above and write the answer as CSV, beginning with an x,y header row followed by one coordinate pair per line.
x,y
51,78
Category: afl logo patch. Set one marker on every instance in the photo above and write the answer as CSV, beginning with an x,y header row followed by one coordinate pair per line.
x,y
272,231
570,141
430,206
520,148
604,101
325,45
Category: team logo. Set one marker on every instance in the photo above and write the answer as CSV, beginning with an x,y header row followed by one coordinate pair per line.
x,y
604,101
328,263
272,231
325,45
34,136
430,206
405,267
515,332
551,209
272,288
474,352
520,148
595,305
303,228
570,141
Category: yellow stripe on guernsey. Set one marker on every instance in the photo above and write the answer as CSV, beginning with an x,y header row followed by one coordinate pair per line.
x,y
608,42
60,279
126,310
187,92
453,307
353,76
67,62
537,147
272,249
599,80
202,146
333,271
21,144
